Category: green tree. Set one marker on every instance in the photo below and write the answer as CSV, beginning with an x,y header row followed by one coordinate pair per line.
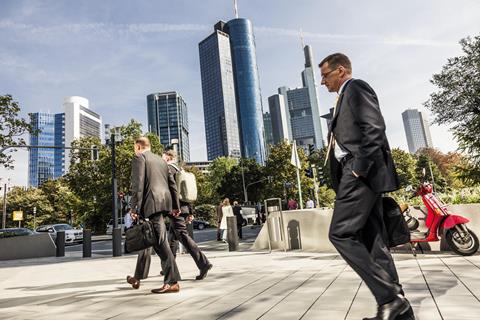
x,y
232,184
12,128
64,202
457,102
424,162
406,165
218,170
20,199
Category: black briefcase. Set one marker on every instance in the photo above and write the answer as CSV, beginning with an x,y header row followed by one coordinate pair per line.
x,y
140,236
397,228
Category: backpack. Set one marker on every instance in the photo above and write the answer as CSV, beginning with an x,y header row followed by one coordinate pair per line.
x,y
186,185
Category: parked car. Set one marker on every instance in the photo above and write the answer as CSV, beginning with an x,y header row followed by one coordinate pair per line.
x,y
200,224
121,225
71,235
16,232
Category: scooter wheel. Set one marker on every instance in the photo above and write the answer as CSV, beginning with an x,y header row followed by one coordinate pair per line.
x,y
463,247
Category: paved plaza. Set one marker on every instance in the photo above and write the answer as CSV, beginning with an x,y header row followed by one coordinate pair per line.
x,y
242,285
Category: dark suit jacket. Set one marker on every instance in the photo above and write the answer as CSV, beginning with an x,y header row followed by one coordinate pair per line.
x,y
359,128
153,189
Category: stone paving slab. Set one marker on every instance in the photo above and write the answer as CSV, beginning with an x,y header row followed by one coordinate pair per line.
x,y
242,285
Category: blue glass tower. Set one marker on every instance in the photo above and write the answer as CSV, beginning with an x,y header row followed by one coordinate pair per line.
x,y
45,164
168,118
247,89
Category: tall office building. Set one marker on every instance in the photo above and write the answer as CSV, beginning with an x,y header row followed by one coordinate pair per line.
x,y
302,120
280,115
267,124
168,118
417,130
229,55
80,121
45,164
218,89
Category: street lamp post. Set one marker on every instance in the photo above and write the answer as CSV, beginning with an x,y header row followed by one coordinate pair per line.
x,y
245,194
4,217
117,232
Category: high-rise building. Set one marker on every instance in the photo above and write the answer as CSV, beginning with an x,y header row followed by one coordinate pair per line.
x,y
218,89
302,120
267,124
80,121
168,118
45,164
417,130
231,92
280,115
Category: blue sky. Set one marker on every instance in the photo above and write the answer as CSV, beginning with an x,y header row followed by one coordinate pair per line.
x,y
115,52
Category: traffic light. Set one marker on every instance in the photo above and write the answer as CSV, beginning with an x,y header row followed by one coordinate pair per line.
x,y
321,177
309,172
311,149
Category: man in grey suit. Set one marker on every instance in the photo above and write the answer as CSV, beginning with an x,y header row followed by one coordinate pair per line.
x,y
154,194
362,169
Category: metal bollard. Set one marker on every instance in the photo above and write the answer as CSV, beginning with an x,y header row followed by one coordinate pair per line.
x,y
60,243
117,242
232,233
190,229
87,243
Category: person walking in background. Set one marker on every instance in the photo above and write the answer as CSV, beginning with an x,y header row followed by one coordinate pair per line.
x,y
292,204
154,194
362,169
310,204
178,229
237,211
219,220
227,211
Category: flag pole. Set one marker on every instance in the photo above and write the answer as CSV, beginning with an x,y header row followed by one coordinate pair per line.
x,y
296,162
299,189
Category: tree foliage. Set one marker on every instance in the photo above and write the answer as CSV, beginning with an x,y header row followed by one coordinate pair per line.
x,y
12,128
457,101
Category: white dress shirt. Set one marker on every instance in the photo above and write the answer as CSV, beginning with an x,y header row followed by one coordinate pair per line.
x,y
337,149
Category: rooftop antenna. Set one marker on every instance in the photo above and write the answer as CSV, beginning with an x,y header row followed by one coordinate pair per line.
x,y
235,8
301,38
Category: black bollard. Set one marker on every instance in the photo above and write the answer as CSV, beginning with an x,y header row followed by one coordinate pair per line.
x,y
190,229
60,243
117,242
232,233
87,243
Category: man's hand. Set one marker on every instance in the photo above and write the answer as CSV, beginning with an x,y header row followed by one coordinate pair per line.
x,y
355,174
134,215
190,218
175,212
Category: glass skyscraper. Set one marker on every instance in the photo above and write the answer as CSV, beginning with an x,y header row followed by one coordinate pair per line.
x,y
247,88
218,89
231,92
417,130
45,164
168,118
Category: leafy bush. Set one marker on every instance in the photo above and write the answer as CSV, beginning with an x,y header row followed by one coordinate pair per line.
x,y
207,212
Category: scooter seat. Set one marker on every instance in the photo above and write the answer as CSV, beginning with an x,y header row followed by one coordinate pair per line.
x,y
418,235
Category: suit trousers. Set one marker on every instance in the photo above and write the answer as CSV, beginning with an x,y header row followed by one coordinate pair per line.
x,y
162,248
358,233
177,232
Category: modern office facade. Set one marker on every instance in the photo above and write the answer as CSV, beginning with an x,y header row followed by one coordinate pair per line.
x,y
46,164
231,92
295,112
168,118
218,90
417,130
80,121
267,125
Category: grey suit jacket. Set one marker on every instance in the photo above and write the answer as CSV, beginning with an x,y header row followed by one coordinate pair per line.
x,y
153,189
359,128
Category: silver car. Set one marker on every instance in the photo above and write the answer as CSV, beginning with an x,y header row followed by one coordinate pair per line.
x,y
71,235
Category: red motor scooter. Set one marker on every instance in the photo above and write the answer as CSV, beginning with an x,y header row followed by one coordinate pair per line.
x,y
440,221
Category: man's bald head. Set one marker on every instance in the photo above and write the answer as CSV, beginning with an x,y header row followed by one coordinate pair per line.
x,y
141,144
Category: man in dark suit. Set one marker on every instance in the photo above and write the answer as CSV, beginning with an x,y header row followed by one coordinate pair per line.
x,y
154,194
178,229
362,169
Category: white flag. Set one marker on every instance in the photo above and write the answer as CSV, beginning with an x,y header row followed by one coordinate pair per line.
x,y
295,160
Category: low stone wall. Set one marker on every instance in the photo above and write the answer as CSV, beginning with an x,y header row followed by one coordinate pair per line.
x,y
308,229
24,247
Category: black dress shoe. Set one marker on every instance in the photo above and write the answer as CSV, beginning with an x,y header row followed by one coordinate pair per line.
x,y
204,272
407,315
393,309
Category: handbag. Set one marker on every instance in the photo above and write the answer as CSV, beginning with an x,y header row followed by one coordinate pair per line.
x,y
397,228
140,236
